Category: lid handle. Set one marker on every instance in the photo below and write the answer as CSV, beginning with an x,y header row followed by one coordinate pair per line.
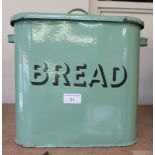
x,y
143,41
78,9
11,38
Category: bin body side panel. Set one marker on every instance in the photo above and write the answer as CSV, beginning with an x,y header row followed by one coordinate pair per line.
x,y
98,61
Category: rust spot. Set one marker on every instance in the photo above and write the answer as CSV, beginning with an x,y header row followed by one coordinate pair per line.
x,y
125,19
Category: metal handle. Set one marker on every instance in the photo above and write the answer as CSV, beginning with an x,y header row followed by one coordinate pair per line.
x,y
78,9
11,38
143,41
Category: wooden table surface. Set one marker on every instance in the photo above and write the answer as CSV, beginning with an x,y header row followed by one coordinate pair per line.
x,y
143,147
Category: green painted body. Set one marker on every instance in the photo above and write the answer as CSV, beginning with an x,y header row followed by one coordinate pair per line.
x,y
108,52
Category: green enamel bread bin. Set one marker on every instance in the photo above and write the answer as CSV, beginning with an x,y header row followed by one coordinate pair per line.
x,y
76,79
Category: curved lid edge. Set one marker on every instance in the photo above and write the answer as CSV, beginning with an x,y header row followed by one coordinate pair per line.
x,y
79,17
